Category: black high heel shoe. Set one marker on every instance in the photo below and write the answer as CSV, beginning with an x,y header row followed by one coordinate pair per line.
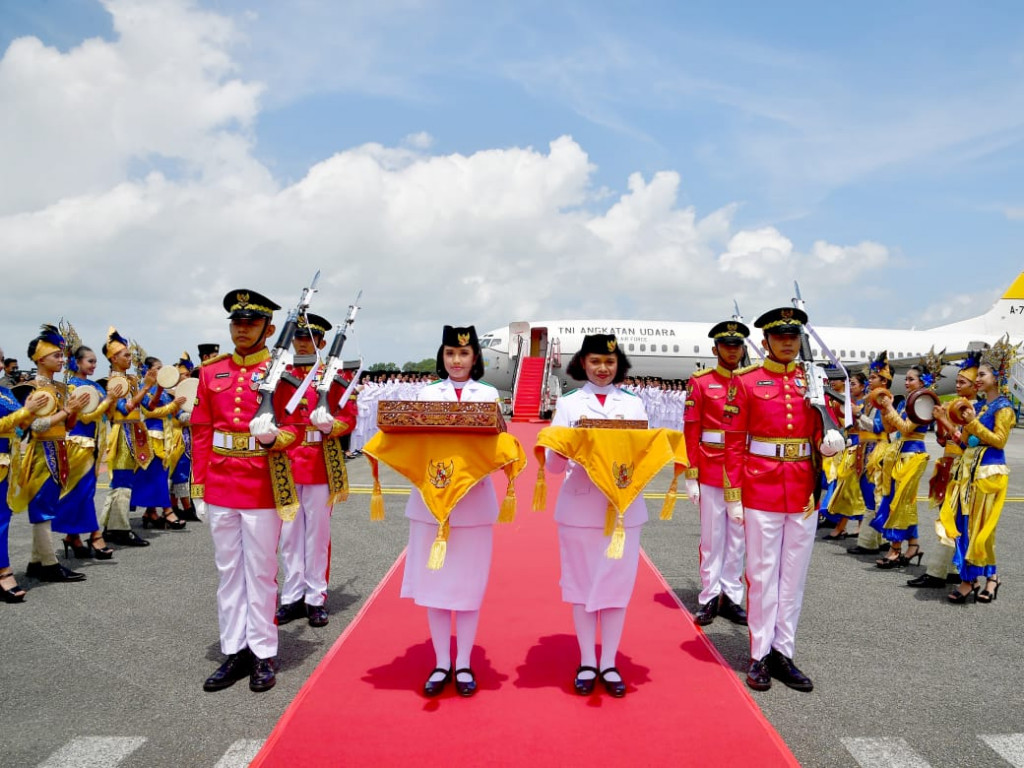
x,y
153,521
100,553
82,551
960,598
906,559
888,563
986,595
13,595
175,525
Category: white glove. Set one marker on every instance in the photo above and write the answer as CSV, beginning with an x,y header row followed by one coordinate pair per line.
x,y
735,510
199,505
832,443
264,429
322,420
693,490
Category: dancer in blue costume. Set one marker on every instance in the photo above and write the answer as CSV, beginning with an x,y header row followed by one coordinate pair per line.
x,y
12,418
181,474
76,511
982,504
896,518
874,438
151,488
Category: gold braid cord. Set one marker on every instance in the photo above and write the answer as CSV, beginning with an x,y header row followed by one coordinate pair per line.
x,y
337,474
286,498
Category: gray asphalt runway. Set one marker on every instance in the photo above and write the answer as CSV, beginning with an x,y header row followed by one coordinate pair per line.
x,y
109,671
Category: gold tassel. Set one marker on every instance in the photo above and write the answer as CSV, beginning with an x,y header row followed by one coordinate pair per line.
x,y
617,546
377,497
670,495
508,504
609,519
540,488
439,548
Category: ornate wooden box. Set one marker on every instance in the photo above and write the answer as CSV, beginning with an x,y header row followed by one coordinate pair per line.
x,y
415,416
585,423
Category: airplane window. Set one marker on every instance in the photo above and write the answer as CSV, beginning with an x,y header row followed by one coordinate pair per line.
x,y
643,347
863,354
630,347
833,353
842,353
675,347
664,347
696,349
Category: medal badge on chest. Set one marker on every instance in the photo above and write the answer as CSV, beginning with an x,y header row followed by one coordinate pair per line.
x,y
257,377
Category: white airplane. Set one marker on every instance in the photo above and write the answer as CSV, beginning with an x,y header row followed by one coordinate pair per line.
x,y
674,350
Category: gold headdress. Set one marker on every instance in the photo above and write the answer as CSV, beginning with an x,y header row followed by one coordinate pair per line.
x,y
932,364
1001,356
138,357
72,341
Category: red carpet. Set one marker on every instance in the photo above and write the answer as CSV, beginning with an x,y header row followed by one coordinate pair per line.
x,y
362,705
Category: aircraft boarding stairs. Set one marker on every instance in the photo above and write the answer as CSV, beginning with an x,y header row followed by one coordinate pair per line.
x,y
535,389
1016,385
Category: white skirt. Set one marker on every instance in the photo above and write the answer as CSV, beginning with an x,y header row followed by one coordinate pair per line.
x,y
589,577
462,581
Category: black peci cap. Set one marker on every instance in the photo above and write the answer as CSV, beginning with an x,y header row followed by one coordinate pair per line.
x,y
208,349
243,304
454,336
729,332
786,320
599,344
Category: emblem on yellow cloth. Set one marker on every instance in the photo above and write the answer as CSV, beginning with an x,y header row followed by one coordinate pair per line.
x,y
611,345
463,339
440,474
623,475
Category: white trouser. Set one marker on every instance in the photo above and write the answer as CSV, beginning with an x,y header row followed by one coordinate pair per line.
x,y
721,548
306,546
779,548
245,550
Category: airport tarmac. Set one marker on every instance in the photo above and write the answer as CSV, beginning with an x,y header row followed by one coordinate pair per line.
x,y
109,671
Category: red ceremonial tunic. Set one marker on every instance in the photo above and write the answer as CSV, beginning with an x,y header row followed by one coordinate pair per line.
x,y
307,454
228,469
708,415
771,404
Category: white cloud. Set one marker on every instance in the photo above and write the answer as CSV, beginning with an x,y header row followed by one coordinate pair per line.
x,y
499,235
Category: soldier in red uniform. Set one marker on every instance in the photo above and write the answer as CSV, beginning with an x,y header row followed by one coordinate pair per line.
x,y
709,412
318,467
231,477
771,465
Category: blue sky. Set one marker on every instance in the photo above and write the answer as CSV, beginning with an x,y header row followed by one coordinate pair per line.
x,y
892,131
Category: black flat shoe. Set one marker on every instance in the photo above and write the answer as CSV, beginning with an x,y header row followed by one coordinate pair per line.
x,y
290,612
58,572
235,667
616,688
859,550
467,688
433,688
263,677
727,609
706,613
927,581
785,671
125,538
317,615
757,675
584,686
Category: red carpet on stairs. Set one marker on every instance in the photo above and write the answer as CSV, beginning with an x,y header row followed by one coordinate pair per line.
x,y
363,707
530,383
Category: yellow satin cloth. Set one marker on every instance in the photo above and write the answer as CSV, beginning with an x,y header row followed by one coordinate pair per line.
x,y
443,466
620,462
848,499
906,474
978,491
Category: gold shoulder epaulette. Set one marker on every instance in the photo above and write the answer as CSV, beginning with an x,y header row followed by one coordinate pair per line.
x,y
748,368
701,372
216,359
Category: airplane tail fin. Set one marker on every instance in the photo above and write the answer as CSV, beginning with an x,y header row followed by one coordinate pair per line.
x,y
1005,316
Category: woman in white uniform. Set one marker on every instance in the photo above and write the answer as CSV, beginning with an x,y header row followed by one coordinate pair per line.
x,y
458,588
598,587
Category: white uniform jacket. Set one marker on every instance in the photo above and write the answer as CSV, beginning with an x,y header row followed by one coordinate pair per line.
x,y
580,502
480,505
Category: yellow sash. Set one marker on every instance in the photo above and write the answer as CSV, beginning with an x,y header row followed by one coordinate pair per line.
x,y
443,466
620,462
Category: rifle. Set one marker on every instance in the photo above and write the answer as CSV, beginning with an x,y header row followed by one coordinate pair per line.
x,y
739,318
281,355
817,380
334,362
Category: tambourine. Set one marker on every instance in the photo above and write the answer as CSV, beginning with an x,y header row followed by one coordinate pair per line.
x,y
921,406
875,396
167,376
187,389
46,407
961,411
118,386
93,398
